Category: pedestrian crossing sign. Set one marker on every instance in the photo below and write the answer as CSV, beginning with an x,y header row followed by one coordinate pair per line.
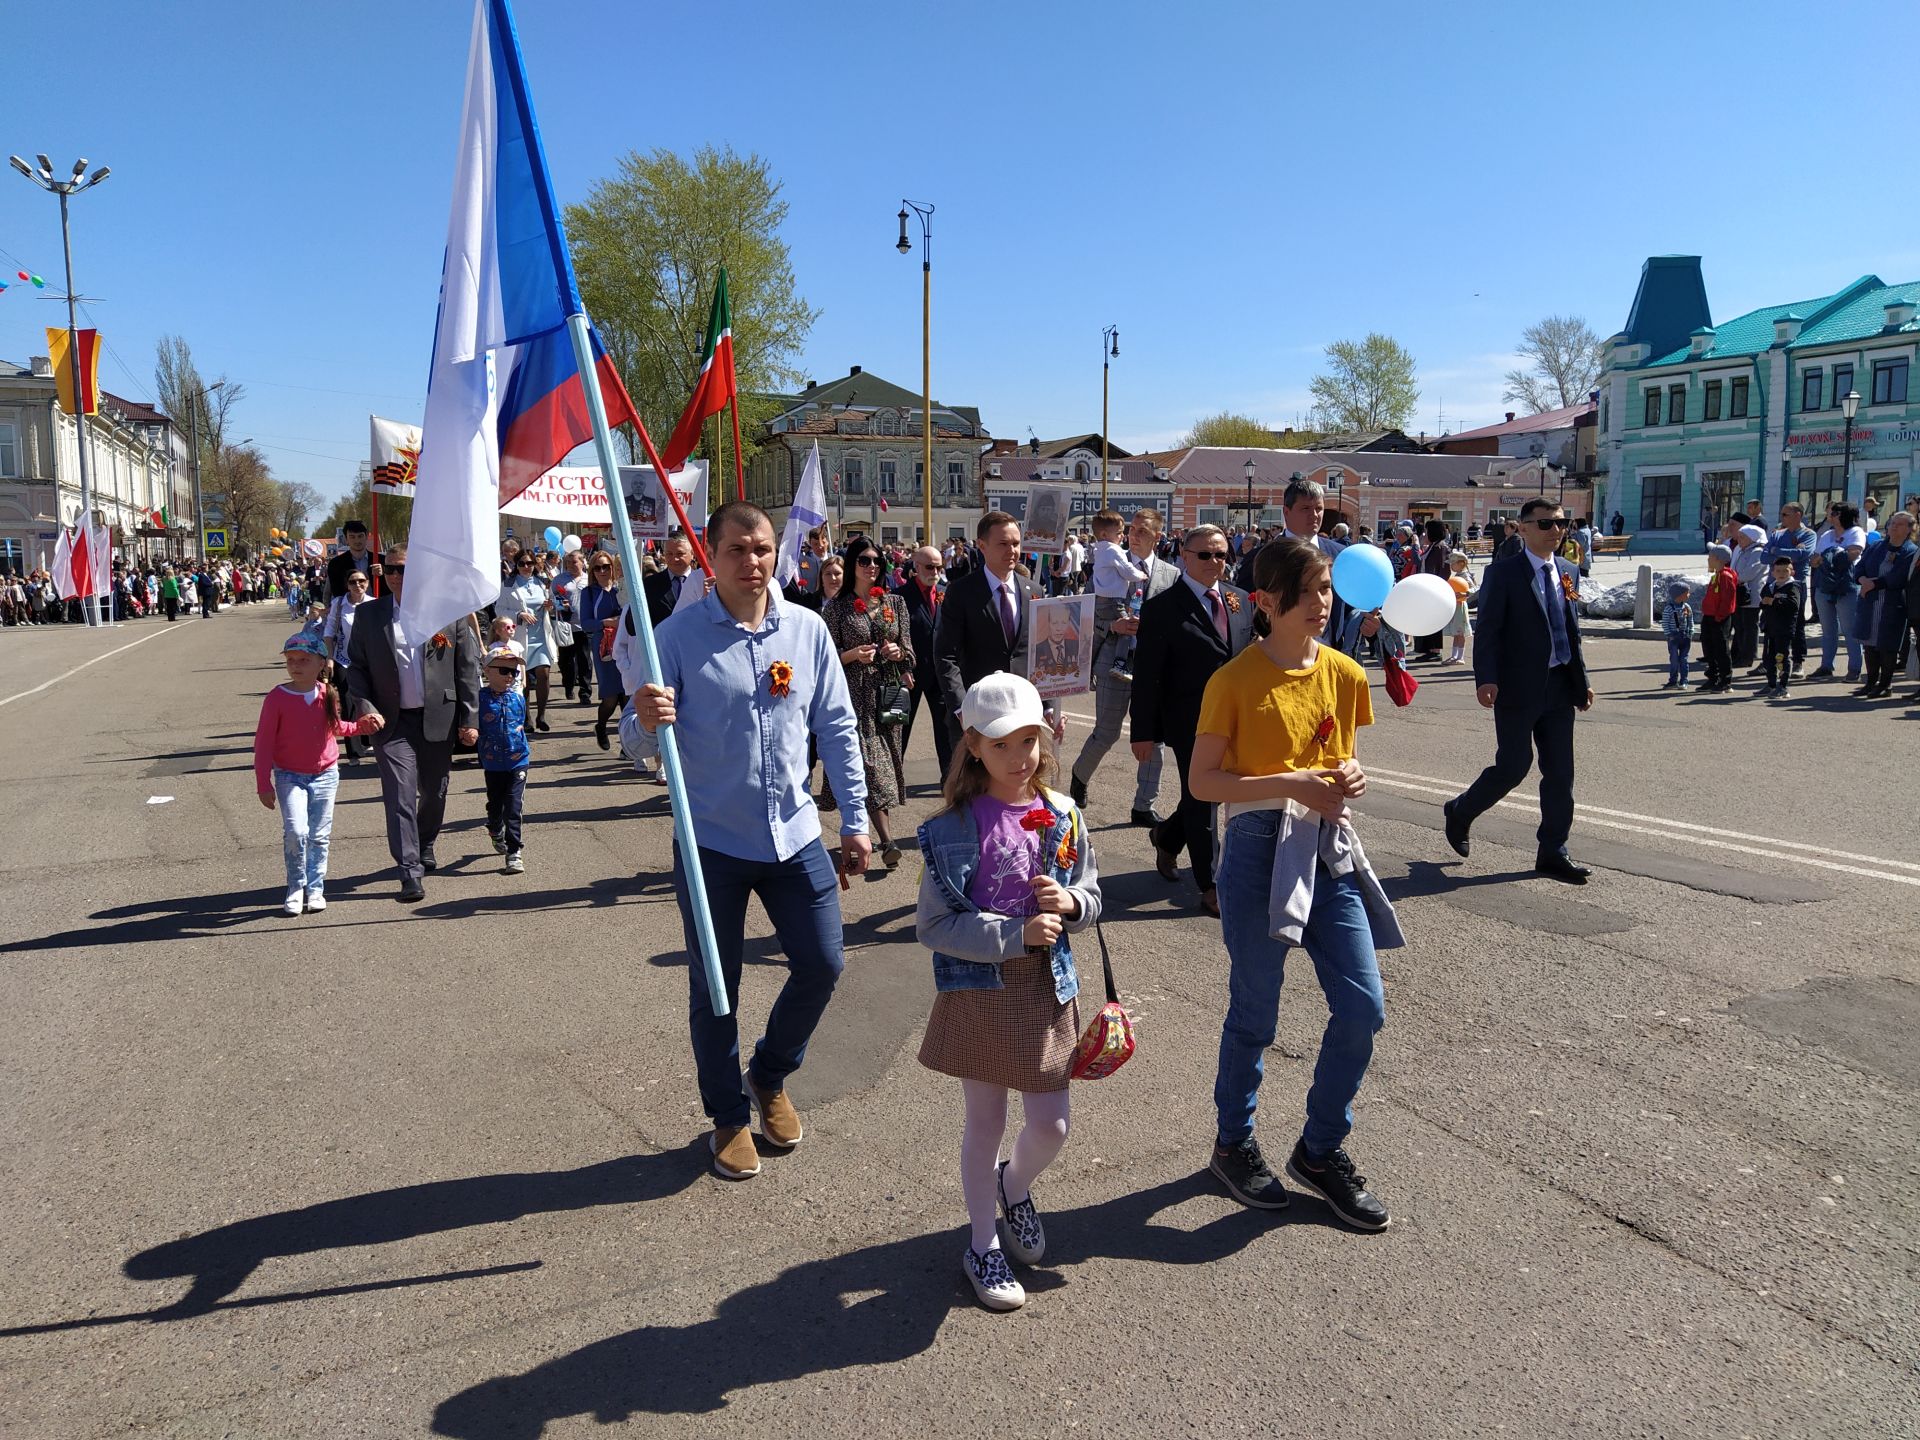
x,y
213,540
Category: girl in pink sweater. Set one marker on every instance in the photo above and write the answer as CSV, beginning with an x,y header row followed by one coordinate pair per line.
x,y
296,760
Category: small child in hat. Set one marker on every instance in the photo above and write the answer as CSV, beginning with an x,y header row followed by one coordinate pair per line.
x,y
1676,621
504,754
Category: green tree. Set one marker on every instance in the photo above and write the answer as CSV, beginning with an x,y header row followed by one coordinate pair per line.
x,y
1369,385
1564,364
648,243
396,512
1229,429
240,472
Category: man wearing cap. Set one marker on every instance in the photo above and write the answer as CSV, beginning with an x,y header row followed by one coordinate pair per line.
x,y
758,676
426,693
356,557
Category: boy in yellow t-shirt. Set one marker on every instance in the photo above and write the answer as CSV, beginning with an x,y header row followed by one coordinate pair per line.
x,y
1277,724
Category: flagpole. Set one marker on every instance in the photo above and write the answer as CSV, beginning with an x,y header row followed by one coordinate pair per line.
x,y
719,461
739,465
581,333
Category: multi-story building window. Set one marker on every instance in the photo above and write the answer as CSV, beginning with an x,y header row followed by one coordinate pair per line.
x,y
1842,383
1820,486
919,477
9,451
1890,382
1737,398
853,475
1810,391
1722,494
956,478
1660,502
1710,400
889,477
1676,405
1652,416
1883,487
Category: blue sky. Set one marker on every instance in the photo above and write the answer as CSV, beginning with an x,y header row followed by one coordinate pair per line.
x,y
1233,185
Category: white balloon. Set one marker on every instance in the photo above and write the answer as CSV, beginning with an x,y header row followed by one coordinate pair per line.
x,y
571,544
1419,605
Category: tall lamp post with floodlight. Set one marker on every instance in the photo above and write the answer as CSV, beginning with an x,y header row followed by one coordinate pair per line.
x,y
1849,407
194,402
72,185
905,247
1109,350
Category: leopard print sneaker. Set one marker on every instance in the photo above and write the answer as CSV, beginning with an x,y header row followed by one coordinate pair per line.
x,y
1026,1239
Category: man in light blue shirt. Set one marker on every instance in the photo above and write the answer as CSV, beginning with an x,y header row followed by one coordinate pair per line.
x,y
757,677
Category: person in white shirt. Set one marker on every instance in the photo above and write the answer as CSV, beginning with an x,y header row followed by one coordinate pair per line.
x,y
1117,573
1071,561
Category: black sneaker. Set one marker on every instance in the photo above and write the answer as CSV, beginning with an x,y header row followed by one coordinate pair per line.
x,y
1243,1170
1078,789
1335,1182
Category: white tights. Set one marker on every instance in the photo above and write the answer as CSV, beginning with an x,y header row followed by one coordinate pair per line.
x,y
1038,1143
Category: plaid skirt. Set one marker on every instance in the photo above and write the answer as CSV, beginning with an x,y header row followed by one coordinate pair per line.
x,y
1018,1036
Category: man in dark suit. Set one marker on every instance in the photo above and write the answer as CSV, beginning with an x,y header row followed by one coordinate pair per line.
x,y
1529,671
920,594
1187,632
984,621
665,586
425,693
355,557
1303,505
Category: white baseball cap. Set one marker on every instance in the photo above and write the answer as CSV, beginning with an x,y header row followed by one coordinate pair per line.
x,y
1001,704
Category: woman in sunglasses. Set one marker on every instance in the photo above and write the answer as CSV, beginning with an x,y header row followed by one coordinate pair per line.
x,y
869,629
599,607
526,600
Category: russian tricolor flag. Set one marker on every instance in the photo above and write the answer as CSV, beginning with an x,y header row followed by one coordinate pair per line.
x,y
504,400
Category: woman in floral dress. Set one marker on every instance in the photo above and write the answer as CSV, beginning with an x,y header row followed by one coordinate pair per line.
x,y
869,628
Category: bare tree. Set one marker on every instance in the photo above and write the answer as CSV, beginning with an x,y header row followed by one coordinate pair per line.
x,y
188,399
1565,356
297,503
240,472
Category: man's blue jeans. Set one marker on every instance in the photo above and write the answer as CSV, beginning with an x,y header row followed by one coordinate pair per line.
x,y
802,899
1338,940
306,815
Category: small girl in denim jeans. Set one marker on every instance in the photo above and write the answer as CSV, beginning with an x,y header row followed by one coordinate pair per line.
x,y
296,761
1676,621
1009,873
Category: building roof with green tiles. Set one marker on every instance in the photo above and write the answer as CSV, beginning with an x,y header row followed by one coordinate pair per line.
x,y
1864,316
1747,334
1858,312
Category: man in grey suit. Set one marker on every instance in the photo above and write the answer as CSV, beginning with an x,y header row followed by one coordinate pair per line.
x,y
425,693
1112,697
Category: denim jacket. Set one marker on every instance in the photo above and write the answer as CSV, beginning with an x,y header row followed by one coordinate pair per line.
x,y
969,944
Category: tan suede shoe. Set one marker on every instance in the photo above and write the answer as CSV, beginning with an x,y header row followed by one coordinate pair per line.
x,y
733,1154
779,1121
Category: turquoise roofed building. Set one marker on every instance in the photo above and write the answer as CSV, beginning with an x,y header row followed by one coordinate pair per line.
x,y
1696,419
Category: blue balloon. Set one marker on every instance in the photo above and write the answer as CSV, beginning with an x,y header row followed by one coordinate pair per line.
x,y
552,537
1362,576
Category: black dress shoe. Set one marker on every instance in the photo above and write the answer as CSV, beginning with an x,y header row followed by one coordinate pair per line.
x,y
1456,830
600,734
1560,867
428,860
1078,789
1146,819
411,890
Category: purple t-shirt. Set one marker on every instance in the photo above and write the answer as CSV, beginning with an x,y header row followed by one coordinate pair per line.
x,y
1009,858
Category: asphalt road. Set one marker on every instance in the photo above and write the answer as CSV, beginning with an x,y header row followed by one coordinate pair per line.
x,y
1651,1146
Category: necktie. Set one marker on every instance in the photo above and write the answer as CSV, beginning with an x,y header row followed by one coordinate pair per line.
x,y
1219,615
676,588
1007,622
1556,615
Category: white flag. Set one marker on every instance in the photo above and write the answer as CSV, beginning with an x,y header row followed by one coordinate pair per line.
x,y
809,509
395,455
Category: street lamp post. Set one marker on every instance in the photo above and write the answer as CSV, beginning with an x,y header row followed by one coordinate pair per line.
x,y
905,247
1251,467
73,185
1849,407
1109,350
194,402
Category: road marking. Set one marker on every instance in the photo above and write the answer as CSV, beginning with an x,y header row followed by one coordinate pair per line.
x,y
1644,828
48,685
1639,819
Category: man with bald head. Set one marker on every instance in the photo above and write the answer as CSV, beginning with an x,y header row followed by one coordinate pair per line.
x,y
920,593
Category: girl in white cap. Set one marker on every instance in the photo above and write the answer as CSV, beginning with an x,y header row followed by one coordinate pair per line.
x,y
1009,874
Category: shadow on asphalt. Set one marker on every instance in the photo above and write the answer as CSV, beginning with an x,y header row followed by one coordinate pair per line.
x,y
216,1263
874,1306
765,949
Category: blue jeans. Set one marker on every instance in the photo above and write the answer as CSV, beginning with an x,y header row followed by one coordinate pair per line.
x,y
1339,941
306,815
802,899
1677,654
1836,614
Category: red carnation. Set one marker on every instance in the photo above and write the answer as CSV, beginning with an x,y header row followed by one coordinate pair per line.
x,y
1325,731
859,604
1038,818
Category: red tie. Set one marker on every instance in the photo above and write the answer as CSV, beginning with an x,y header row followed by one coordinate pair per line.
x,y
1219,615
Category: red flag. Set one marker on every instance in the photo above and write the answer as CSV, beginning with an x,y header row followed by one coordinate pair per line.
x,y
716,385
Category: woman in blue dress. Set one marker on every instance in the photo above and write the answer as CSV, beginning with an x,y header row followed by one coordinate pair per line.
x,y
526,600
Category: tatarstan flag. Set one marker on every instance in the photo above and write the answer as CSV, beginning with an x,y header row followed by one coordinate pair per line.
x,y
716,385
160,518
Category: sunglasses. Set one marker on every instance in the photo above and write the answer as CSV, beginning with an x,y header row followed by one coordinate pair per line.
x,y
868,560
394,570
1209,554
504,669
1559,524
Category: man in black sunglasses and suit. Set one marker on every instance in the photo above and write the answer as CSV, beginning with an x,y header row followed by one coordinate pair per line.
x,y
1529,671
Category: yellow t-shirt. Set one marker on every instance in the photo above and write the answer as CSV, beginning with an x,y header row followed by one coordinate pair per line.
x,y
1272,718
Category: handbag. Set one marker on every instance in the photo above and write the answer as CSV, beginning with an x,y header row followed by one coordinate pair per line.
x,y
1107,1042
1400,683
893,703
